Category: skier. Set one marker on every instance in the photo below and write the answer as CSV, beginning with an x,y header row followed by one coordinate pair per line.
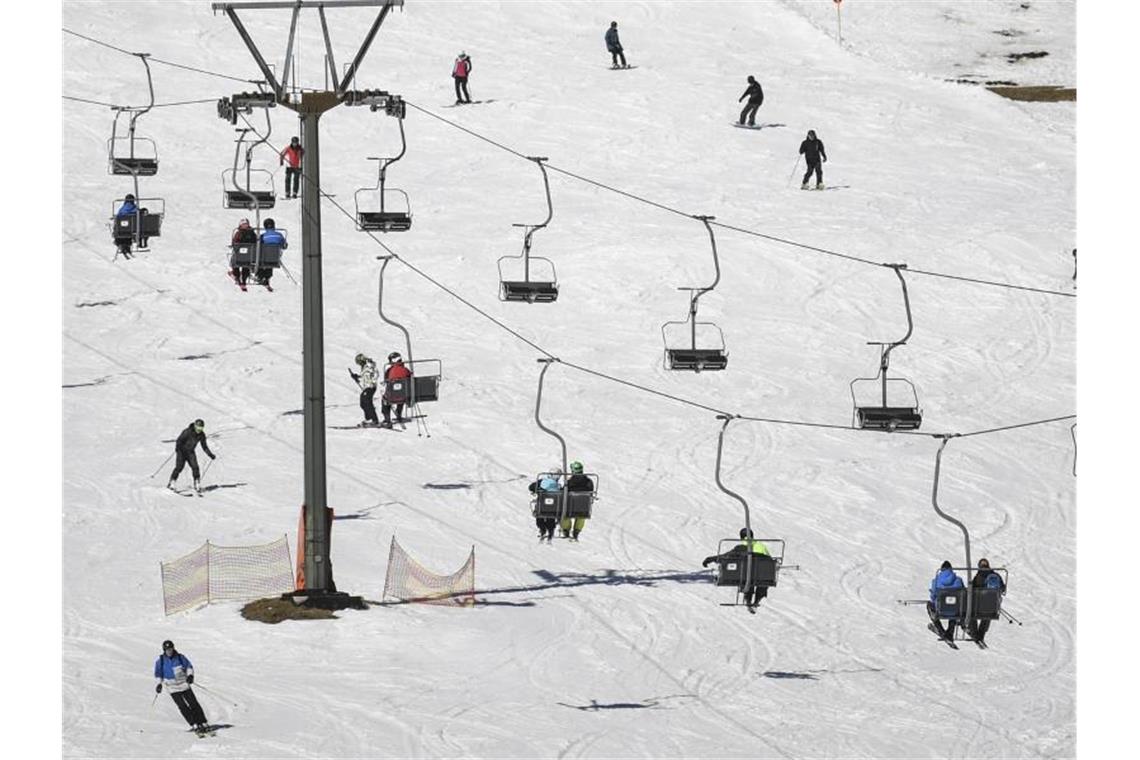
x,y
293,153
577,482
812,151
946,578
755,592
188,439
395,371
271,236
366,379
174,670
613,44
755,96
459,72
548,482
129,209
243,235
985,578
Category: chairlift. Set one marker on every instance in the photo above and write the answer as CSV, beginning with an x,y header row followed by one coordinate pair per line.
x,y
966,604
707,353
744,570
897,399
257,255
135,229
132,155
563,503
235,195
379,214
426,373
530,289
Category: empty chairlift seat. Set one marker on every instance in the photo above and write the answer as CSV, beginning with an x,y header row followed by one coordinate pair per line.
x,y
888,417
384,221
696,359
529,291
134,165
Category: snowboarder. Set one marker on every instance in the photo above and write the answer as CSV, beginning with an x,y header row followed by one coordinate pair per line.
x,y
577,481
548,482
755,592
293,153
271,236
243,235
188,439
174,670
395,371
985,578
459,72
755,95
812,151
366,379
946,578
613,44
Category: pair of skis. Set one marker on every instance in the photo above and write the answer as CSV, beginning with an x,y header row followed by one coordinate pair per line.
x,y
244,287
949,641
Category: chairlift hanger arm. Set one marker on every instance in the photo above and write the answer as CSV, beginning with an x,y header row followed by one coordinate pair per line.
x,y
948,518
720,484
885,359
698,292
538,410
380,308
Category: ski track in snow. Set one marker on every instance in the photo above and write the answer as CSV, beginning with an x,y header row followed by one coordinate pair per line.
x,y
615,646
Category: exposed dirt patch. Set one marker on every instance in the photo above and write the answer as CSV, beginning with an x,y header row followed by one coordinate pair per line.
x,y
1009,32
275,610
1015,57
1041,94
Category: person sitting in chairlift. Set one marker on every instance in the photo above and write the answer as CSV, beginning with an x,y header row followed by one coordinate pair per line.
x,y
271,236
946,578
985,578
754,594
244,234
128,209
548,482
395,371
577,482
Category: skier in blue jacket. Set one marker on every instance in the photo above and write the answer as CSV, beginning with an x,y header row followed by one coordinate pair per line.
x,y
946,578
129,209
173,670
271,236
548,482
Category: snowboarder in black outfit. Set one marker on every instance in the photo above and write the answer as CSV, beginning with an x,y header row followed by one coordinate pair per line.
x,y
188,439
755,95
174,670
812,151
613,44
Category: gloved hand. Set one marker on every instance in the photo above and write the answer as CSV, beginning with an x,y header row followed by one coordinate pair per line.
x,y
705,563
158,688
355,376
825,159
190,678
213,457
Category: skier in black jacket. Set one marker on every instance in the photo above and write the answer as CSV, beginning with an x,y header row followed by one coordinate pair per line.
x,y
812,151
755,96
188,439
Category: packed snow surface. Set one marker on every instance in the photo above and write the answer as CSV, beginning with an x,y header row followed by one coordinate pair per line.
x,y
616,646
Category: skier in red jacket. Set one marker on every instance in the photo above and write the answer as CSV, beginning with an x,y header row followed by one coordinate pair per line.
x,y
293,155
459,72
395,371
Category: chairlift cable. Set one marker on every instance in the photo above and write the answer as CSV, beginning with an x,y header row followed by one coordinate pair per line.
x,y
773,238
637,386
156,105
158,60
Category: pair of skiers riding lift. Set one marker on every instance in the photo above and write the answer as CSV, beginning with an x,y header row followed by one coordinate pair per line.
x,y
549,482
367,379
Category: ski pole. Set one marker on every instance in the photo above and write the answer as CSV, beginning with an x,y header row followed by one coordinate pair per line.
x,y
207,468
908,602
154,700
216,694
1012,619
795,166
164,461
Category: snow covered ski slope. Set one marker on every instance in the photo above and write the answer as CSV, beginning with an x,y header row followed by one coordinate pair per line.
x,y
615,646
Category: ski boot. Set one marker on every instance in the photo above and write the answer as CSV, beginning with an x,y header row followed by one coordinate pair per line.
x,y
804,186
574,535
197,486
818,185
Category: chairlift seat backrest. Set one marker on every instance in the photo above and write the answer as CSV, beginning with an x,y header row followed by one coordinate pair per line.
x,y
532,291
243,255
125,227
384,221
426,388
397,391
986,604
730,571
579,504
696,358
239,199
763,570
950,603
888,417
548,504
143,167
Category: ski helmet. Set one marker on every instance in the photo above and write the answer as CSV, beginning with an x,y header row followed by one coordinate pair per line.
x,y
576,467
811,134
556,470
294,140
270,224
130,197
168,644
395,356
745,533
361,359
243,223
983,564
946,565
199,424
